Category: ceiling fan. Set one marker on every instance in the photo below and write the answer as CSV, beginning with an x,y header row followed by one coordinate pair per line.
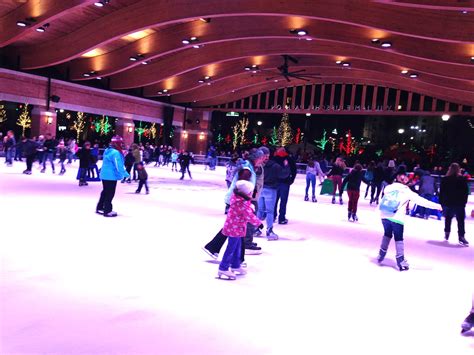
x,y
284,70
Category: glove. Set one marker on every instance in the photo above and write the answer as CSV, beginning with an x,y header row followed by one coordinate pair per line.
x,y
260,226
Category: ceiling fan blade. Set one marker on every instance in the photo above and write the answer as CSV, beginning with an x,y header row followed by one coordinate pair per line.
x,y
300,77
287,78
273,77
293,59
297,71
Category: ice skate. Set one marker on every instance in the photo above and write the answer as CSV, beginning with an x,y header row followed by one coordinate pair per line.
x,y
382,253
333,200
253,250
349,216
110,214
354,217
463,241
468,323
271,235
446,236
402,263
239,271
314,199
212,255
340,201
306,198
226,275
257,233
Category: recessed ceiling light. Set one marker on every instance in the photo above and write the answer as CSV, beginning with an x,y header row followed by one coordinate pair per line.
x,y
413,75
386,44
206,20
185,41
465,12
207,77
197,46
309,39
375,40
208,83
276,80
472,59
192,39
99,4
160,92
302,33
133,59
247,68
145,62
21,23
86,75
165,90
201,81
338,61
41,29
404,71
346,64
99,78
254,65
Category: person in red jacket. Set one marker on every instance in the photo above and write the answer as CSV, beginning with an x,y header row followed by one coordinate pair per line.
x,y
235,226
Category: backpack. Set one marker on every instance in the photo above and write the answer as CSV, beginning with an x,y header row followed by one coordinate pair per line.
x,y
390,202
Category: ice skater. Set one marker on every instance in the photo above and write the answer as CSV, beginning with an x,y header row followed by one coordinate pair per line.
x,y
62,154
353,181
392,211
112,170
235,227
336,176
85,160
142,179
185,160
174,161
468,323
313,169
453,196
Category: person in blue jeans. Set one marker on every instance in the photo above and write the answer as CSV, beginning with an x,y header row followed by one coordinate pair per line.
x,y
9,145
272,172
312,170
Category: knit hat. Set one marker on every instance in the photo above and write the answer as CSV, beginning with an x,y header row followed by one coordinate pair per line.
x,y
244,186
255,154
281,152
265,150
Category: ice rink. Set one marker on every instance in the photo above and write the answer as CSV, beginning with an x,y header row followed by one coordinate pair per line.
x,y
74,282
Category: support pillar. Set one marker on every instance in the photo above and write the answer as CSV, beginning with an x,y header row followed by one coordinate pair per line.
x,y
195,137
43,122
126,129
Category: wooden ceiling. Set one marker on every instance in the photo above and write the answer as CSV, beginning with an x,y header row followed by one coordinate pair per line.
x,y
433,38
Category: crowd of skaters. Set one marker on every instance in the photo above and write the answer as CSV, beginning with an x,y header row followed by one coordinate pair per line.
x,y
258,183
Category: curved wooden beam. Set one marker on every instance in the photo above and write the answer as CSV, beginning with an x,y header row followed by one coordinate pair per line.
x,y
168,41
423,23
188,82
418,87
182,63
242,81
43,11
454,5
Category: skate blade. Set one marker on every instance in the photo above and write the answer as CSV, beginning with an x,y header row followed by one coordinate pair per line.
x,y
226,278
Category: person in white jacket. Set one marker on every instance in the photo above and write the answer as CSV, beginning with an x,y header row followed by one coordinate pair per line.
x,y
393,211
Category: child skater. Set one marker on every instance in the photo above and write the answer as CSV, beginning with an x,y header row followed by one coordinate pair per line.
x,y
174,161
235,226
392,211
312,170
353,181
62,152
142,178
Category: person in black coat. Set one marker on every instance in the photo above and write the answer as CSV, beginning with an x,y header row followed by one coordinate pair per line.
x,y
184,161
85,160
283,190
376,188
453,195
129,161
353,181
29,152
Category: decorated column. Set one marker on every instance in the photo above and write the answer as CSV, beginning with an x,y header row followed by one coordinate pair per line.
x,y
43,121
125,128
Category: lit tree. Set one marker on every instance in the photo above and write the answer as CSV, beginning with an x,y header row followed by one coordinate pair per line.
x,y
140,130
105,126
285,136
321,143
243,126
3,114
255,138
274,137
298,136
219,138
153,131
235,133
24,120
79,124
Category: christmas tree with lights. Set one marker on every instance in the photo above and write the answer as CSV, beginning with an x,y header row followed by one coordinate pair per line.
x,y
285,135
24,120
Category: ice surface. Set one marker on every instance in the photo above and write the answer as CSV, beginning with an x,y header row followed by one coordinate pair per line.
x,y
73,282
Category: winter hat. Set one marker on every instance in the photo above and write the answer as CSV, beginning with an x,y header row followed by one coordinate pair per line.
x,y
281,152
265,150
255,154
117,139
244,186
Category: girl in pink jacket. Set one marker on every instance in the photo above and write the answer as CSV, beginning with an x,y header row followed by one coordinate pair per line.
x,y
235,226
